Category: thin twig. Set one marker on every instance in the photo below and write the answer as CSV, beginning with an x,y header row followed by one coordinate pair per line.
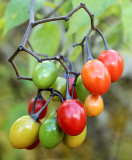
x,y
32,8
59,58
57,7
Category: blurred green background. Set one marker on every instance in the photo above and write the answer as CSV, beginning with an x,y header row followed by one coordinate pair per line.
x,y
109,136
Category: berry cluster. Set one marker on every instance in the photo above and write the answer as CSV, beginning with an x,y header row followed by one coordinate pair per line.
x,y
69,122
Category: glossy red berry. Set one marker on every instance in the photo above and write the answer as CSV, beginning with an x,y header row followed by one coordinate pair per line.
x,y
96,77
71,117
114,62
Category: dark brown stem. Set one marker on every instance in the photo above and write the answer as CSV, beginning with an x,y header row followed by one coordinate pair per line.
x,y
33,108
57,58
30,45
61,59
31,53
73,11
36,115
48,20
104,40
90,14
14,55
26,35
54,92
66,18
74,84
33,23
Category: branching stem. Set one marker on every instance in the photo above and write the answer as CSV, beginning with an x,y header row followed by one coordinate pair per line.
x,y
65,63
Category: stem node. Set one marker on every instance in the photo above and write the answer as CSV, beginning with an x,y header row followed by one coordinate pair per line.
x,y
67,18
82,4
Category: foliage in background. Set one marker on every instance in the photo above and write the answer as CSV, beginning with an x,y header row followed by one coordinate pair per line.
x,y
114,19
51,37
17,12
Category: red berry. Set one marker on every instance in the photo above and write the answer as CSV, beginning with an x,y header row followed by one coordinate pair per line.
x,y
71,117
34,145
114,62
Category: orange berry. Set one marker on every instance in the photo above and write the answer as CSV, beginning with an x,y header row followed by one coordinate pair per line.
x,y
96,77
93,105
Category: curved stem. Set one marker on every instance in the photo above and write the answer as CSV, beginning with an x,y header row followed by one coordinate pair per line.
x,y
68,67
57,94
33,108
36,115
69,64
88,50
33,23
104,40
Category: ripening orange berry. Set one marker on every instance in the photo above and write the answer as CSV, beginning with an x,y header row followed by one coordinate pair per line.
x,y
93,105
95,77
